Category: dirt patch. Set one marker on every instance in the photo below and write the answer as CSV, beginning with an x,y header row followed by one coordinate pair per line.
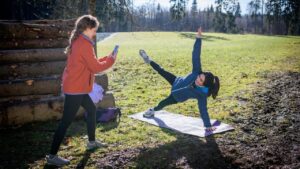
x,y
267,136
270,137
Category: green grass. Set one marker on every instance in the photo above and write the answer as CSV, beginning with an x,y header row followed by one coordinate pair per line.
x,y
238,60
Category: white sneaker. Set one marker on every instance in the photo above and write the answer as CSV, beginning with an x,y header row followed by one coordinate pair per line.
x,y
94,144
144,55
149,113
56,160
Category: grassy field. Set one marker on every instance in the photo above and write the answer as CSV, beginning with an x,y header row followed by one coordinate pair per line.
x,y
239,60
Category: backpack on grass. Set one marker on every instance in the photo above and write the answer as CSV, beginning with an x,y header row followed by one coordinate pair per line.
x,y
104,115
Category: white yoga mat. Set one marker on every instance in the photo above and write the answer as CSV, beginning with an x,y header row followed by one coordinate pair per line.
x,y
184,124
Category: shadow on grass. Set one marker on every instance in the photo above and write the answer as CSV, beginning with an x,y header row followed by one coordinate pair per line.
x,y
28,144
85,159
185,152
286,36
204,37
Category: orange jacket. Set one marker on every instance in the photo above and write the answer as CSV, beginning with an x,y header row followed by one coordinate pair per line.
x,y
82,64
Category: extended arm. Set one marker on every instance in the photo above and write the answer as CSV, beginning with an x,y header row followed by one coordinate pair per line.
x,y
196,59
96,65
202,105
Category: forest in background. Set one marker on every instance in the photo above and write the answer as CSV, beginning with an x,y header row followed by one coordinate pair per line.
x,y
262,16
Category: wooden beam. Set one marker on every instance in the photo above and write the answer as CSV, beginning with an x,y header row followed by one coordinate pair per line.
x,y
32,55
47,108
33,43
27,30
38,86
23,70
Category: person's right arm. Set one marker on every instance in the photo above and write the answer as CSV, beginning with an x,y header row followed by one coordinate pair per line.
x,y
96,65
196,59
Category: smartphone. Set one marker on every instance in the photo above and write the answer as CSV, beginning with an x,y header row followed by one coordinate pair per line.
x,y
116,50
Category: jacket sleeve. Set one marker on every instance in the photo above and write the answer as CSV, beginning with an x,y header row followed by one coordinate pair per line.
x,y
96,65
196,56
202,105
102,59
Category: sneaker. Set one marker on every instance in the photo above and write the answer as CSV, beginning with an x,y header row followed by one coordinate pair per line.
x,y
144,55
94,144
56,160
149,113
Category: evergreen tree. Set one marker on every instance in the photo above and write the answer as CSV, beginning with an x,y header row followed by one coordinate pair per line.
x,y
178,9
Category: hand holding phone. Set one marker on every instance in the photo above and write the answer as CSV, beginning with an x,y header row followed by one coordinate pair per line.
x,y
115,51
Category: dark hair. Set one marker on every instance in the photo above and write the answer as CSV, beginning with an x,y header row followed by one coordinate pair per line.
x,y
81,24
213,84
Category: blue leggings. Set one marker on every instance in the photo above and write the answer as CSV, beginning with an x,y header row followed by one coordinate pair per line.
x,y
170,78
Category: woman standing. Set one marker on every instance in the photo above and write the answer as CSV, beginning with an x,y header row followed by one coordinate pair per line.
x,y
77,82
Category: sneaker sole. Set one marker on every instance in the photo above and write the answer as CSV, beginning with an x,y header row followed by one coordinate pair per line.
x,y
49,163
148,116
144,55
96,147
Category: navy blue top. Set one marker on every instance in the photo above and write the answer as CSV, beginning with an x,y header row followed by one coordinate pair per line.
x,y
184,88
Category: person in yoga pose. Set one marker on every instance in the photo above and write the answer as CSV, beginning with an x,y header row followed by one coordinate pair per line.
x,y
196,85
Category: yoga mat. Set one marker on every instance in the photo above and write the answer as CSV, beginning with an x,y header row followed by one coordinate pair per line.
x,y
183,124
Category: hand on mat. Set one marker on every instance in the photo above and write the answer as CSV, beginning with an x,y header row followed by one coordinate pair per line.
x,y
199,33
210,129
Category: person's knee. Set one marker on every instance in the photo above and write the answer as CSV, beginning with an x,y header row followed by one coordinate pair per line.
x,y
92,111
63,125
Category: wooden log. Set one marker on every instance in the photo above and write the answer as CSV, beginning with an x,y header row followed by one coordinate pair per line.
x,y
34,30
102,80
43,21
30,86
32,55
39,86
39,69
49,108
33,43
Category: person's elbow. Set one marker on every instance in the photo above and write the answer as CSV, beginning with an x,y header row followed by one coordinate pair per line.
x,y
102,66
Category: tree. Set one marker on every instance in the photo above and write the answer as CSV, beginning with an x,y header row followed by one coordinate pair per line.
x,y
219,19
291,12
253,8
113,14
238,10
231,7
178,9
262,16
194,13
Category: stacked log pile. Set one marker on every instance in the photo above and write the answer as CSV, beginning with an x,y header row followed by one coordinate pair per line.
x,y
32,60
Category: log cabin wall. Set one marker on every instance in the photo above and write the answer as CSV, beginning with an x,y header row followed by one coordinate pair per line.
x,y
31,63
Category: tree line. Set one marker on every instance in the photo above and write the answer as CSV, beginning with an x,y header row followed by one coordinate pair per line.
x,y
261,17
